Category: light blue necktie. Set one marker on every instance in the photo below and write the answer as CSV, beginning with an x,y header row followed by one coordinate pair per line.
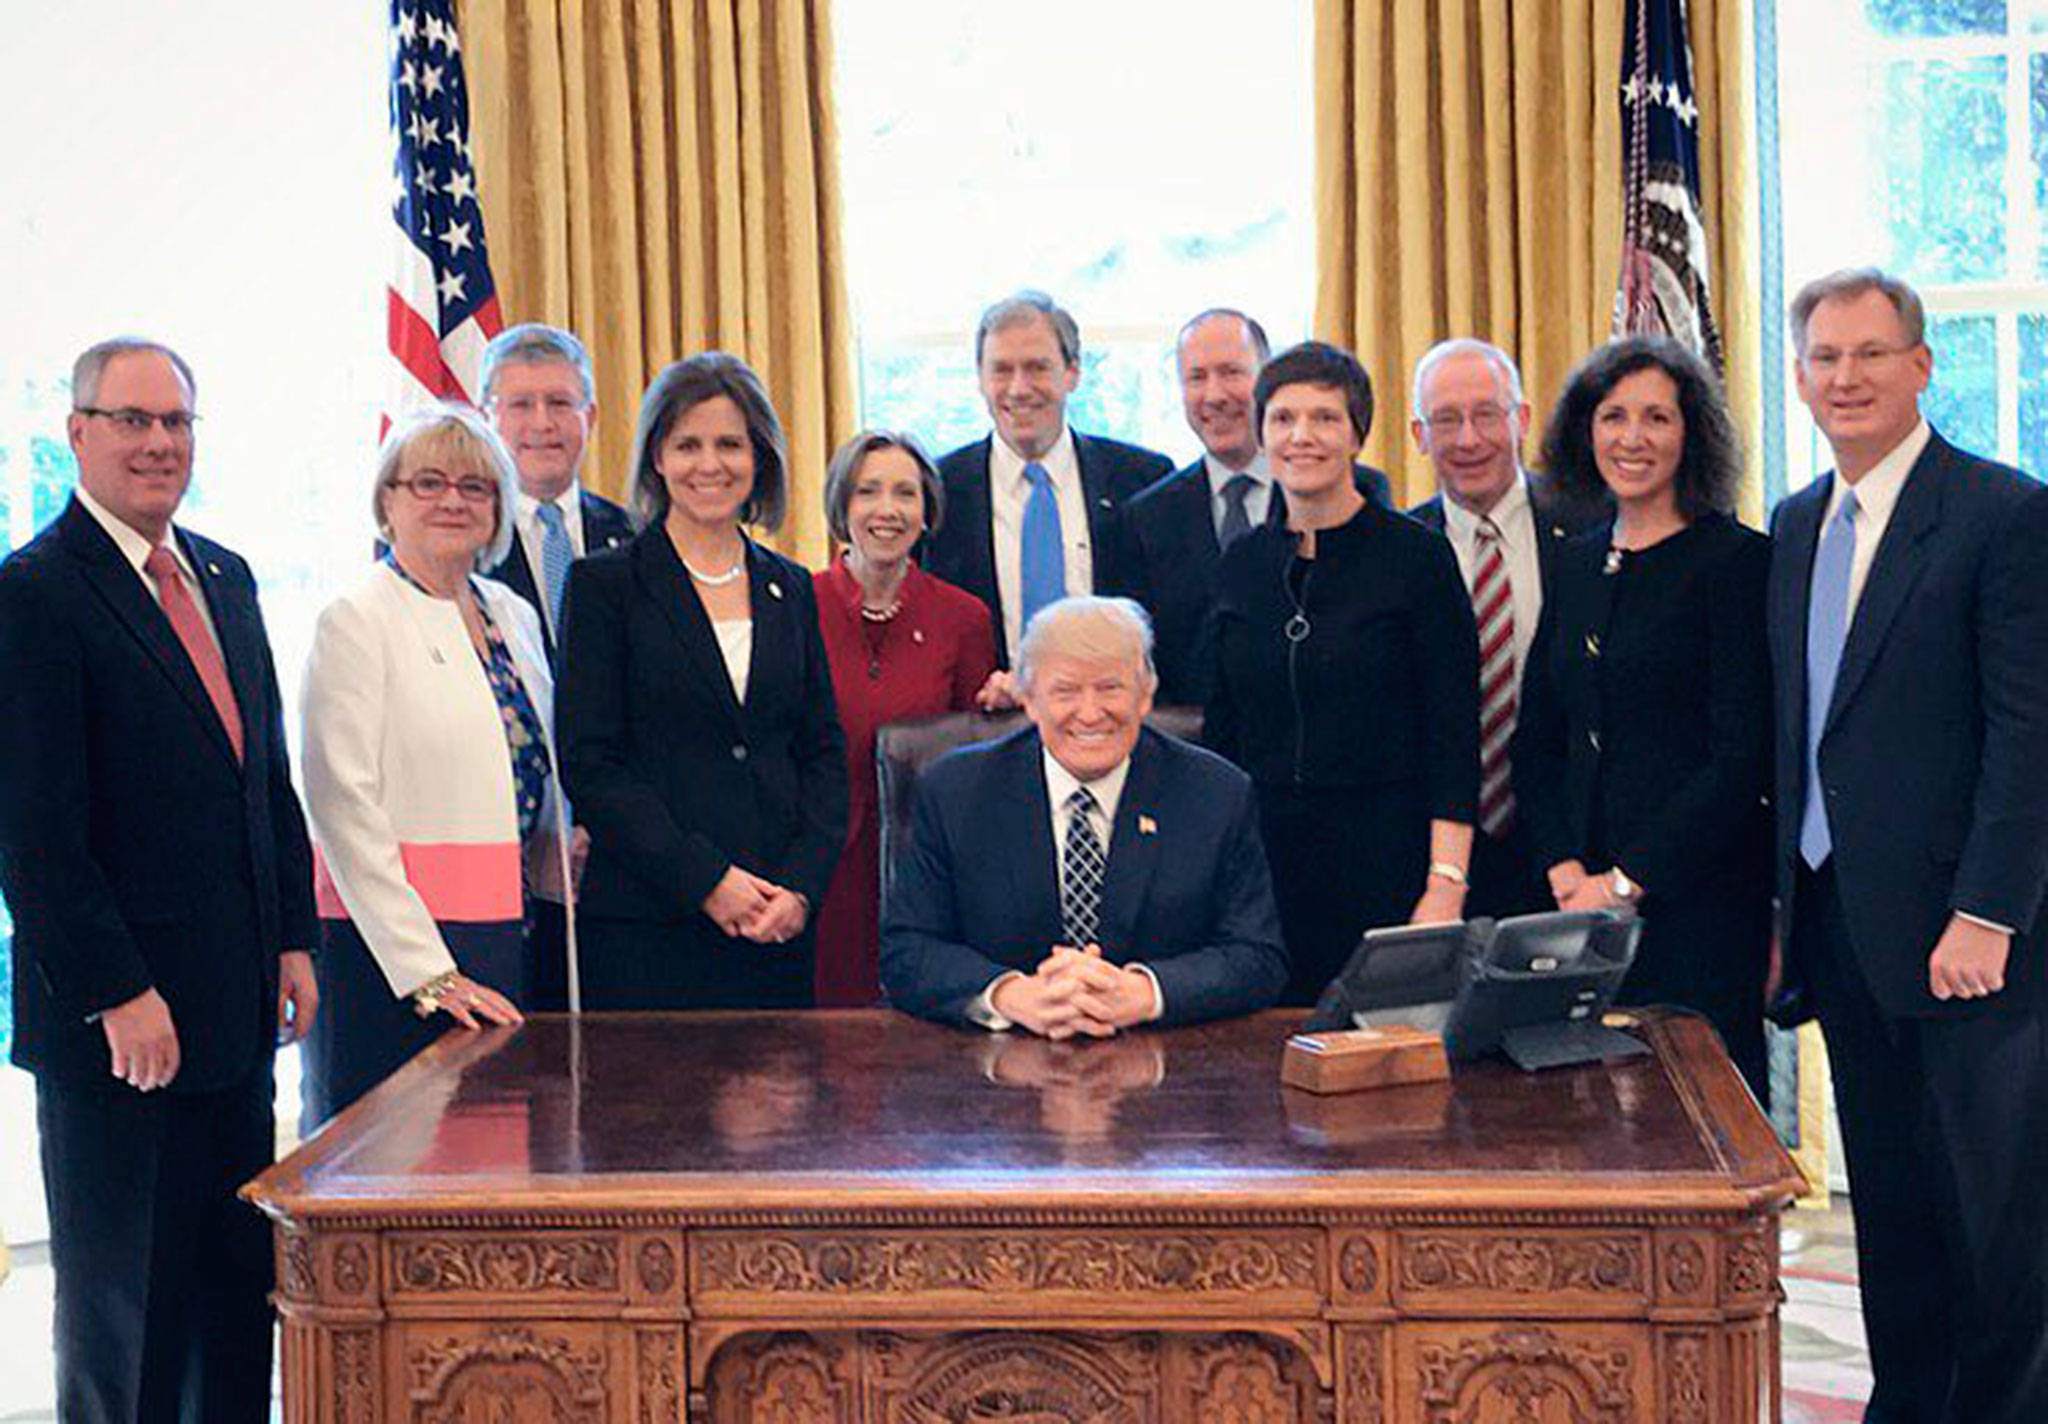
x,y
1042,567
555,558
1827,630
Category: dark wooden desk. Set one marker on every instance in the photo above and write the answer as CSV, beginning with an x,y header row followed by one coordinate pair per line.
x,y
857,1216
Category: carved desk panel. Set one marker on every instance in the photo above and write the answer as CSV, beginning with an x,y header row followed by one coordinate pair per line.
x,y
861,1217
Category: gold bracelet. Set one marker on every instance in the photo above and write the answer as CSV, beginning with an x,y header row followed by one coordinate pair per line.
x,y
426,1000
1448,870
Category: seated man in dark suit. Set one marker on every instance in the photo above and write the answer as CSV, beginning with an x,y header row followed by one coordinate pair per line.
x,y
539,393
1084,874
1175,531
1031,510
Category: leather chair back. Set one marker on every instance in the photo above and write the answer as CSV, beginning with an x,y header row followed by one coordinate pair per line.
x,y
904,749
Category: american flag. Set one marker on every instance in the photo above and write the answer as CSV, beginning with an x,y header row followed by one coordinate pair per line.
x,y
443,309
1663,288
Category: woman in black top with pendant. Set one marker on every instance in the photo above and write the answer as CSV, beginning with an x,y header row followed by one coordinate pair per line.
x,y
1643,753
1346,681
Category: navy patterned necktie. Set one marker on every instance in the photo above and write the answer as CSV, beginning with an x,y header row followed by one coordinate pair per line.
x,y
1081,872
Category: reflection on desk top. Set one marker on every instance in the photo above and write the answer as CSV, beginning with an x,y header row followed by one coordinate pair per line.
x,y
872,1109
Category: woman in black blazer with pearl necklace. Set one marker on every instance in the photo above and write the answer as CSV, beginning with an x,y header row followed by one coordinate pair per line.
x,y
699,741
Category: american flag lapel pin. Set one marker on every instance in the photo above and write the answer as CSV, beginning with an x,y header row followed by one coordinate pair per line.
x,y
1147,826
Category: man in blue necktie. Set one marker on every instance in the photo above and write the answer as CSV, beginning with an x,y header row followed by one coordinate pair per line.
x,y
1032,510
1909,639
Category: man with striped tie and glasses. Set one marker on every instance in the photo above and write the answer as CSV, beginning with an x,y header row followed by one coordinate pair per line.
x,y
1085,874
1469,420
540,395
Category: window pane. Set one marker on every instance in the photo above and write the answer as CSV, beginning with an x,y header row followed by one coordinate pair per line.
x,y
1962,403
2033,452
1940,142
1936,17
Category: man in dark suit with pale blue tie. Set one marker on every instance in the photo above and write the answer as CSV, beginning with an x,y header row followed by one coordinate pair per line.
x,y
541,396
1909,641
1083,875
154,857
1175,530
1032,509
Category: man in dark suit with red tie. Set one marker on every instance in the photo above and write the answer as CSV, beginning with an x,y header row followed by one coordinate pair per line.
x,y
1469,418
153,855
1175,530
1032,509
1908,615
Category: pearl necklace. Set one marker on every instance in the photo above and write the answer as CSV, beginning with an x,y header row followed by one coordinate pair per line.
x,y
739,566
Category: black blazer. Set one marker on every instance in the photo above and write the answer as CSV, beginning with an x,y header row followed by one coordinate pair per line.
x,y
605,526
1185,888
1384,686
963,552
675,779
1170,552
1932,751
134,851
1643,738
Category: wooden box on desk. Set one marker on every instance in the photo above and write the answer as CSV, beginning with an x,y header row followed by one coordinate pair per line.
x,y
1346,1060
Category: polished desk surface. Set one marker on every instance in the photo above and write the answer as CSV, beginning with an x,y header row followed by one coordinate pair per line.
x,y
716,1114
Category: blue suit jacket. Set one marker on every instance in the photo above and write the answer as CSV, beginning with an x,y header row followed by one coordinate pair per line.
x,y
1930,757
963,550
135,851
1186,889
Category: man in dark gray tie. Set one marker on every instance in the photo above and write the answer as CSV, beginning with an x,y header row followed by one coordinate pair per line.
x,y
1908,620
540,395
1084,875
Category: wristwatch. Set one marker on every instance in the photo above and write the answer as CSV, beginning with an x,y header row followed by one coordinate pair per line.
x,y
1623,888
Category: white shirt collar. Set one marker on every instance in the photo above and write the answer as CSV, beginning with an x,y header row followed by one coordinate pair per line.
x,y
1005,464
1463,525
1108,788
1221,474
132,542
1879,488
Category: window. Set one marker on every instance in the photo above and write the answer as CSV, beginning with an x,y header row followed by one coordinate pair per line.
x,y
1915,136
214,179
1096,151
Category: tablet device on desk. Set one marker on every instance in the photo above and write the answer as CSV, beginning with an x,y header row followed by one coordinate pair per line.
x,y
1406,974
1538,986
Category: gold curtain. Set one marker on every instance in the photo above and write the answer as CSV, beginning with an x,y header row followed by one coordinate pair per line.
x,y
1468,183
662,177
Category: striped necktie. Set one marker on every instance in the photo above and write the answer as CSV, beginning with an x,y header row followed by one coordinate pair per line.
x,y
1081,872
555,557
1493,606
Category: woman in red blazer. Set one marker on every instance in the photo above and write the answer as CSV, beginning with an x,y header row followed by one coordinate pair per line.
x,y
901,644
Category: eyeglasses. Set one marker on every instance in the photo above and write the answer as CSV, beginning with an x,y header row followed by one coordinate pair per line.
x,y
133,420
1485,419
526,407
1828,359
427,485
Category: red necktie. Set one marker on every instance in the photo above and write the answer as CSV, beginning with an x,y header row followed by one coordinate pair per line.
x,y
1493,605
190,626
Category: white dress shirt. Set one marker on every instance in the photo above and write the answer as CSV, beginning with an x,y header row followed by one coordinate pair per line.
x,y
1258,501
1007,492
1515,517
736,645
136,549
1877,495
1060,785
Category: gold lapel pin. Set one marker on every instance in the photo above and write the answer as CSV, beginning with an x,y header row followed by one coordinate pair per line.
x,y
1147,826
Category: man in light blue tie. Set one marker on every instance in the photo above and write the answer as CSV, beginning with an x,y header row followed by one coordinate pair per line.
x,y
539,393
1032,510
1909,640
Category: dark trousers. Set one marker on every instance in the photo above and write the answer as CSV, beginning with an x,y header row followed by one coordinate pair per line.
x,y
547,958
1945,1121
163,1277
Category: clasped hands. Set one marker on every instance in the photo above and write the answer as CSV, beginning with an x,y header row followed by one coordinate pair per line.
x,y
747,907
1076,991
